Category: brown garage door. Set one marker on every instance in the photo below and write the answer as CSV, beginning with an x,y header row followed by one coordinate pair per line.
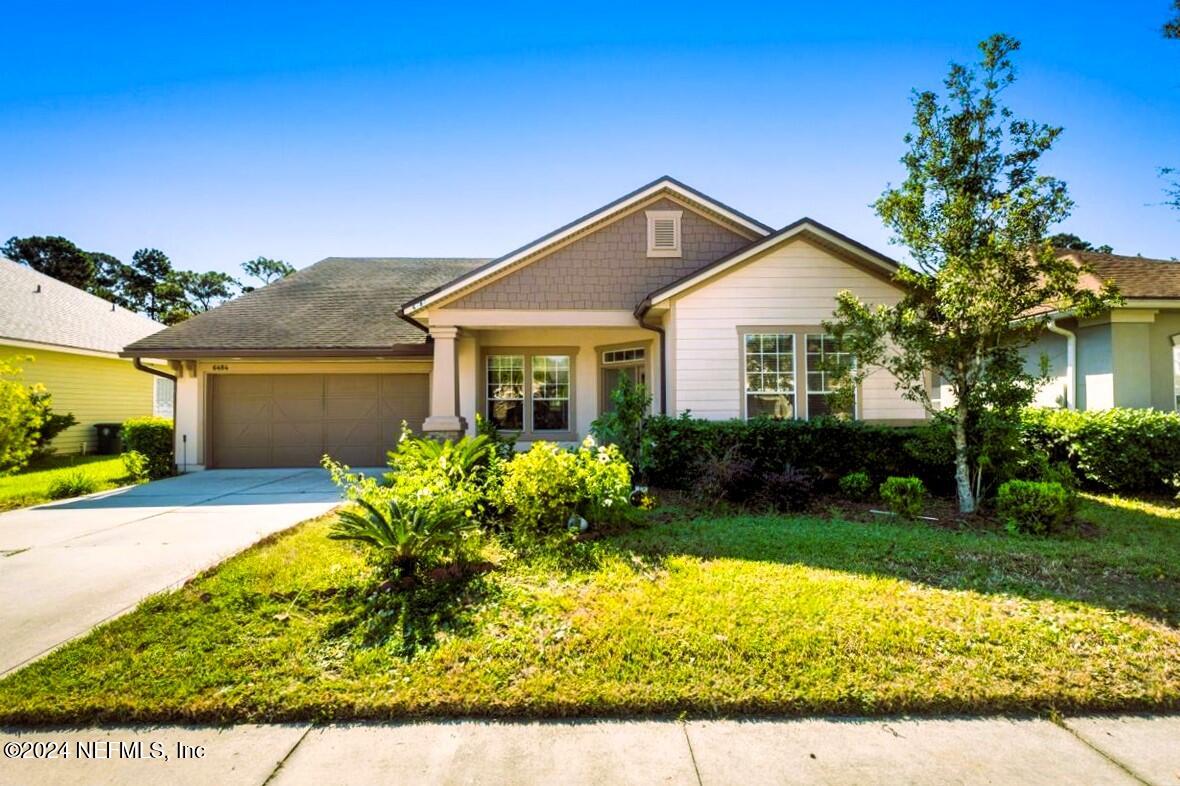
x,y
291,420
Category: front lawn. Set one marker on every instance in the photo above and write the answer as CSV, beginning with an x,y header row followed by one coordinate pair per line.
x,y
31,486
705,615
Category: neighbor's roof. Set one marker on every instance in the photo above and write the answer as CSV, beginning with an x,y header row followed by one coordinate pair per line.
x,y
40,309
336,306
1136,277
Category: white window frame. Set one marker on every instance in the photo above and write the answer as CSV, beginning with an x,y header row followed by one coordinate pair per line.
x,y
531,399
663,215
528,430
163,411
807,372
524,385
794,355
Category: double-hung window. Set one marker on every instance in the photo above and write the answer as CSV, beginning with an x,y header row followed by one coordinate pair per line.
x,y
529,393
770,375
825,361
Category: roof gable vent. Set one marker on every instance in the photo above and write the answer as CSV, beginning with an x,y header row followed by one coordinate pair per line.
x,y
663,233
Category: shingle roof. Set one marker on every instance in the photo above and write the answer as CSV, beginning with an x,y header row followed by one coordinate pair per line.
x,y
337,304
38,308
1137,277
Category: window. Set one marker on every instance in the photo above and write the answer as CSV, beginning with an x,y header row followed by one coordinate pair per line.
x,y
162,397
770,374
824,360
630,362
543,404
506,391
616,356
663,233
551,393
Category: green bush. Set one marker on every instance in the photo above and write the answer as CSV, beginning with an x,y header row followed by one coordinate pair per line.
x,y
151,437
72,484
403,537
136,465
904,496
52,423
541,488
827,447
1035,508
1112,450
856,485
21,418
626,424
790,489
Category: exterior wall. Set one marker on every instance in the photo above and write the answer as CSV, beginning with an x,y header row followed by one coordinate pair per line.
x,y
1095,367
93,389
1053,347
584,341
795,284
1131,351
609,268
192,392
1166,325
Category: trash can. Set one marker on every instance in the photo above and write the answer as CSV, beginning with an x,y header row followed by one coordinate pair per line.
x,y
108,438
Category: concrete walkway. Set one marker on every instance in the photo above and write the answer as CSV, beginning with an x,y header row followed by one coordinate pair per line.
x,y
1093,751
68,566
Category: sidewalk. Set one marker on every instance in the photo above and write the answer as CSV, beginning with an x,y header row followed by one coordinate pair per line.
x,y
1093,751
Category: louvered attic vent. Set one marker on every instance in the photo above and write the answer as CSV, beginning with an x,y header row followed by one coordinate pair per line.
x,y
663,233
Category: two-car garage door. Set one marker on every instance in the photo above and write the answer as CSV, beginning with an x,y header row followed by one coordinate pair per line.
x,y
291,420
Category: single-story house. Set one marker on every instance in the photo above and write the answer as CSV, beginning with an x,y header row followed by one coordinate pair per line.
x,y
1128,356
74,340
717,312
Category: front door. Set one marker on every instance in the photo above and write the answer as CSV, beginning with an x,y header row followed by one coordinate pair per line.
x,y
616,364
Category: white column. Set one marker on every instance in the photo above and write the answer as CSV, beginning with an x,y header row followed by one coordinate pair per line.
x,y
444,383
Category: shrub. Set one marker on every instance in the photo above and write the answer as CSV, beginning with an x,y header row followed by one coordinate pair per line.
x,y
1035,508
724,477
21,418
828,448
541,488
136,465
151,437
626,424
856,485
1114,449
52,423
790,489
403,537
72,484
904,496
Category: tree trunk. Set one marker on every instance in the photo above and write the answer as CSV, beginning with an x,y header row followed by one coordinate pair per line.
x,y
962,470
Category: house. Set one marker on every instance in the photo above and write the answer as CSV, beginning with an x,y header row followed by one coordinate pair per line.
x,y
1128,356
717,312
74,339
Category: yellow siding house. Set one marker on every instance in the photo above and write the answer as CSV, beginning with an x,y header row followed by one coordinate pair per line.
x,y
74,339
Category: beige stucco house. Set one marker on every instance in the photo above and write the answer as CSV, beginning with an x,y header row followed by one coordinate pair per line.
x,y
715,311
1126,357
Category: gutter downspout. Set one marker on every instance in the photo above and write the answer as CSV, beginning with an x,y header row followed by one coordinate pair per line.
x,y
640,311
1071,361
138,363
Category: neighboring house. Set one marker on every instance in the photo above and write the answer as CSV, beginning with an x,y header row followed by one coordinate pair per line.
x,y
74,339
1126,357
715,311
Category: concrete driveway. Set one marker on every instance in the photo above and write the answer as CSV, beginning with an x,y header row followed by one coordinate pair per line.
x,y
68,566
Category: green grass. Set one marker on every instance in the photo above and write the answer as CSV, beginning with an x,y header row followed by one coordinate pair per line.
x,y
31,486
708,615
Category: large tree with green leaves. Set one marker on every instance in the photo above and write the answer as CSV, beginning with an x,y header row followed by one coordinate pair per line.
x,y
55,257
974,213
266,270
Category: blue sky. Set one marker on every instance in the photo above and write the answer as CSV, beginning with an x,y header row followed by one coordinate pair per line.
x,y
219,132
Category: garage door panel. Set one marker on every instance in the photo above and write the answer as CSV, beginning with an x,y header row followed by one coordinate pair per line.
x,y
278,420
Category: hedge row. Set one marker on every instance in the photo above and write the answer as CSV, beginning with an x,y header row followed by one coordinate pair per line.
x,y
1112,450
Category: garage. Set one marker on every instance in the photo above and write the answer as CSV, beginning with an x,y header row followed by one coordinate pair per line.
x,y
292,420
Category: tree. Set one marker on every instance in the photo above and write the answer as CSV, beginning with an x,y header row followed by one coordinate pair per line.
x,y
206,290
54,256
155,288
973,212
1071,242
1172,26
21,418
266,270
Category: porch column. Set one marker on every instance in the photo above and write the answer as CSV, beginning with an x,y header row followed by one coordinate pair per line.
x,y
444,421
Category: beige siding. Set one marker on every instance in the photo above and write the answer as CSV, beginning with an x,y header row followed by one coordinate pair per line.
x,y
795,284
93,389
608,268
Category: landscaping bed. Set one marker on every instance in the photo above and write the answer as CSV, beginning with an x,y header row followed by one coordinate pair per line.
x,y
32,486
705,614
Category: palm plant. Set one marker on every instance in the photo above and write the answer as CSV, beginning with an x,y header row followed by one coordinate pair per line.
x,y
458,461
403,535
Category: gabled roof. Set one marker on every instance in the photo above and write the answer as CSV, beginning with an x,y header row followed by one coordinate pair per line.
x,y
1136,277
872,260
39,309
338,306
622,204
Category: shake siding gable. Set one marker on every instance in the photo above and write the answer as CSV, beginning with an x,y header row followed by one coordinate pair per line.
x,y
794,284
608,268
